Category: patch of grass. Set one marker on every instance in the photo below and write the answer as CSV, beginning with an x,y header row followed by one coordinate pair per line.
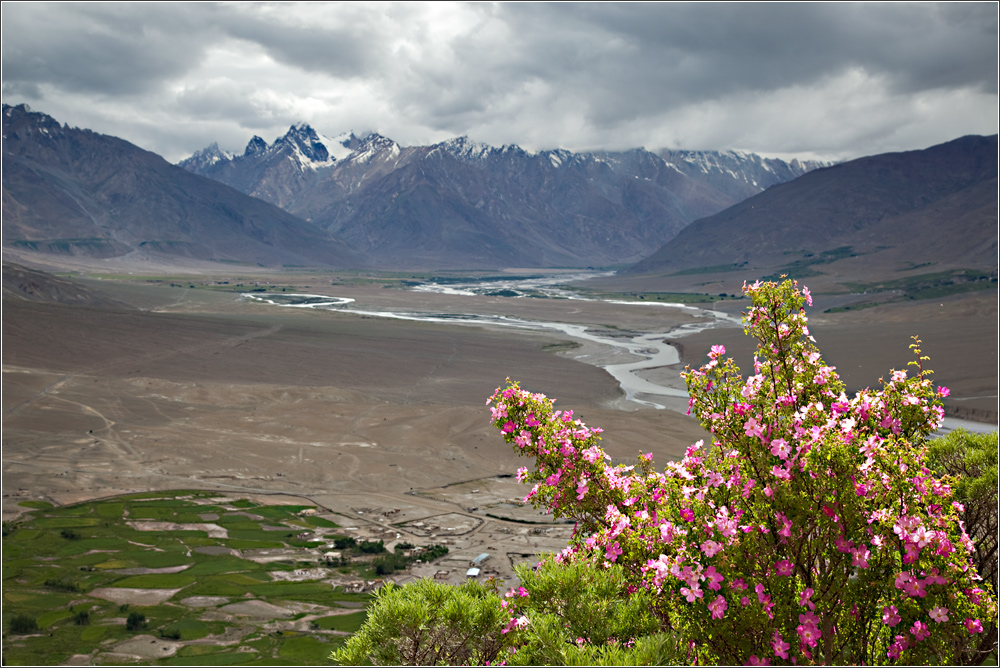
x,y
37,505
187,629
305,650
153,559
212,587
49,618
296,590
23,535
202,650
280,512
321,522
110,510
228,658
65,522
222,564
347,623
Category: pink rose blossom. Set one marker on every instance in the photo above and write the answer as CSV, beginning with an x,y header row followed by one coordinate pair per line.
x,y
711,548
890,616
718,607
939,614
973,626
780,646
809,634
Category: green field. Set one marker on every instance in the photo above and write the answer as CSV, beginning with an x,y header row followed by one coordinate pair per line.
x,y
73,571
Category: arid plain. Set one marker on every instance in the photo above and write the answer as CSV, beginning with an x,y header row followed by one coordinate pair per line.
x,y
198,388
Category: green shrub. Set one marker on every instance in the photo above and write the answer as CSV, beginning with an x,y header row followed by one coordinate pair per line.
x,y
136,621
23,624
371,546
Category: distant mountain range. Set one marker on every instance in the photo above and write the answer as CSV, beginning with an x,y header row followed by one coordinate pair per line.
x,y
465,204
937,206
72,192
367,202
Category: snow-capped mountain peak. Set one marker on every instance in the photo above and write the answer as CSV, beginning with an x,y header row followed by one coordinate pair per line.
x,y
209,155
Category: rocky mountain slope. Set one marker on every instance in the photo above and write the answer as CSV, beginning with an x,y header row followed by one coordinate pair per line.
x,y
74,192
26,284
934,207
464,204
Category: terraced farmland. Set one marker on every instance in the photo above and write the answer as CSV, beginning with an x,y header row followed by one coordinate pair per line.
x,y
177,578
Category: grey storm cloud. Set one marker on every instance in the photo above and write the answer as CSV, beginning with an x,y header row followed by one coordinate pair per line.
x,y
820,78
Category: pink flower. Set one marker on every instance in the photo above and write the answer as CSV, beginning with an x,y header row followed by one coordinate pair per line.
x,y
890,616
717,351
804,598
711,548
714,578
779,448
809,619
754,661
753,428
939,614
613,551
843,545
785,567
920,630
809,634
786,525
692,594
973,626
780,646
809,299
687,515
718,607
781,473
916,588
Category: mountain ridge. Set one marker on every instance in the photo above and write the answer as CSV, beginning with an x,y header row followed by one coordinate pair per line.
x,y
935,205
462,202
79,193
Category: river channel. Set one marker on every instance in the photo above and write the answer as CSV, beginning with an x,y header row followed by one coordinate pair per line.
x,y
644,351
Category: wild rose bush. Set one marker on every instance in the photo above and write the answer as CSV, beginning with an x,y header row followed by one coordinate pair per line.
x,y
810,531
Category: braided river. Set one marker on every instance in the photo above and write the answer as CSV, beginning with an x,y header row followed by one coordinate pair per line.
x,y
643,350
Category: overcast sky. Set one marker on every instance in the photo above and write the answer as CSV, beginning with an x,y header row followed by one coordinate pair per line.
x,y
833,81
